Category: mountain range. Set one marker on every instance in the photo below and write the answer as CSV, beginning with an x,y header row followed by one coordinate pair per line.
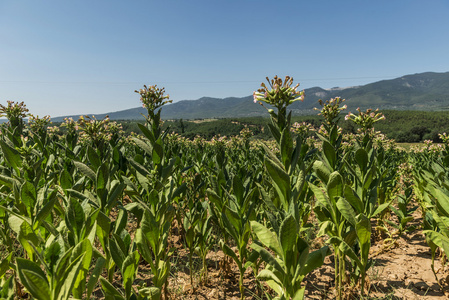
x,y
423,91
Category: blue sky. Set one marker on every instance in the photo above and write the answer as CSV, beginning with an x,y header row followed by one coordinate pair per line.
x,y
79,57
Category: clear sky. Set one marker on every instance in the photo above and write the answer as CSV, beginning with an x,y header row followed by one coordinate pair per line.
x,y
79,57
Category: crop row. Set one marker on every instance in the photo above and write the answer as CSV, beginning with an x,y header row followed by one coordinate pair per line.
x,y
77,207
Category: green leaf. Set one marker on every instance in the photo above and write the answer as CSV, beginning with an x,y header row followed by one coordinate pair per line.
x,y
28,196
381,208
4,265
12,156
228,251
103,229
266,275
299,295
158,152
322,171
138,167
129,269
442,200
269,259
66,283
115,194
335,186
315,260
363,229
148,134
101,182
95,276
85,248
361,157
93,157
109,291
85,170
266,237
321,198
75,218
238,189
281,181
33,278
47,208
288,234
329,154
286,147
65,179
346,210
152,293
26,236
352,197
347,250
143,145
117,254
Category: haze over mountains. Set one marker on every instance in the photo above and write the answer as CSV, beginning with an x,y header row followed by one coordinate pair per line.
x,y
424,91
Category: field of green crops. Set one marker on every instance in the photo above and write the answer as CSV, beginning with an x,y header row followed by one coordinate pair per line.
x,y
86,212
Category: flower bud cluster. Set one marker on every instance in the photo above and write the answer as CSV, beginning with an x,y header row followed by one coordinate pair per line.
x,y
71,125
153,98
331,109
302,129
444,137
366,119
14,110
98,130
280,93
39,125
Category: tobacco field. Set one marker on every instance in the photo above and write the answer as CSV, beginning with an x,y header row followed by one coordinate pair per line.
x,y
89,213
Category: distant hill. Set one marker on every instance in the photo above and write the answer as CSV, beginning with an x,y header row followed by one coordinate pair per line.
x,y
424,91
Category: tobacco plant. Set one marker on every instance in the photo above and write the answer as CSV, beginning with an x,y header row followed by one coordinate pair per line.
x,y
287,203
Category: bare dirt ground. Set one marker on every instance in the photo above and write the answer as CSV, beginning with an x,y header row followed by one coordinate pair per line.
x,y
400,272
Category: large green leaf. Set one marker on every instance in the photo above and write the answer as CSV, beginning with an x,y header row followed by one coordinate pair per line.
x,y
75,219
47,208
322,199
315,260
143,145
26,236
33,278
281,181
110,292
270,260
66,283
267,275
85,248
266,237
335,186
94,159
442,200
380,209
329,154
352,197
12,156
346,210
95,276
85,170
28,195
286,145
363,229
361,157
129,269
65,179
322,171
288,234
4,265
158,152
